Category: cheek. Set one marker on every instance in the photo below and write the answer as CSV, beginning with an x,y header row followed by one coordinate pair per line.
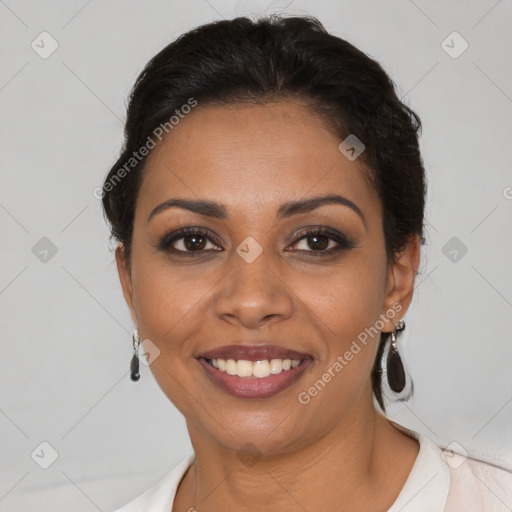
x,y
167,303
347,305
172,305
171,310
348,298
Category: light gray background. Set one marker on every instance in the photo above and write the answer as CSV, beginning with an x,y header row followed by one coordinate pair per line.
x,y
65,329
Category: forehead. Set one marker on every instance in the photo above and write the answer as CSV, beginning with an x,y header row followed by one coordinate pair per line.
x,y
252,155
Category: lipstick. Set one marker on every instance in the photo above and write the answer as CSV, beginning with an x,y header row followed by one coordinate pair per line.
x,y
253,371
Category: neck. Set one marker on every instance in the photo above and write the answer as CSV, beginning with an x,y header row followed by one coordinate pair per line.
x,y
340,471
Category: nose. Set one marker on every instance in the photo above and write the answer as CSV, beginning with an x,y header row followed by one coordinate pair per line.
x,y
253,294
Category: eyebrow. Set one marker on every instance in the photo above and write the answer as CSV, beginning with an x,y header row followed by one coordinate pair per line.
x,y
219,211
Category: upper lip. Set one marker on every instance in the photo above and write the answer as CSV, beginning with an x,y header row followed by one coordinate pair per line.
x,y
253,353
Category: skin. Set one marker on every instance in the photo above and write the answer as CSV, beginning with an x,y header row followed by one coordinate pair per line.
x,y
336,453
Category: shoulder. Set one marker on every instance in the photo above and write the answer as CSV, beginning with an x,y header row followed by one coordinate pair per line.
x,y
160,497
443,480
478,485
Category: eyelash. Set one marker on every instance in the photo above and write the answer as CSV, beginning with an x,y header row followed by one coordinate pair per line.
x,y
344,243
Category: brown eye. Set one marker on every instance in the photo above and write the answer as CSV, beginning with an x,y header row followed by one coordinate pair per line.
x,y
323,241
187,240
317,242
193,242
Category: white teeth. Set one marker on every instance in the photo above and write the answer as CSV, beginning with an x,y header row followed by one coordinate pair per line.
x,y
244,368
258,369
276,366
231,367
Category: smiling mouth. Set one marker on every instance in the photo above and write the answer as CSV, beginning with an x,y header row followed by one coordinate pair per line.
x,y
263,378
254,369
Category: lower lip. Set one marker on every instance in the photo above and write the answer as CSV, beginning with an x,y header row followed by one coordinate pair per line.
x,y
254,387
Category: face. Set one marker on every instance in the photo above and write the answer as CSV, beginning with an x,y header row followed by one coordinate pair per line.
x,y
263,265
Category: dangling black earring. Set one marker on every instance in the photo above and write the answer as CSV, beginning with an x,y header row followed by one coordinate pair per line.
x,y
134,366
395,368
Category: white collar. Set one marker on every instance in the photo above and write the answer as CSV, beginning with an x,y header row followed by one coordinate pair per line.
x,y
427,486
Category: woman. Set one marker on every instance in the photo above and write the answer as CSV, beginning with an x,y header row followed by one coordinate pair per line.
x,y
269,209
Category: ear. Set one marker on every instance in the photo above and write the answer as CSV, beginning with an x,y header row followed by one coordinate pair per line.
x,y
400,283
125,277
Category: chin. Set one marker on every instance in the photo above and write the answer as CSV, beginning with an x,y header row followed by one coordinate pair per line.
x,y
262,433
